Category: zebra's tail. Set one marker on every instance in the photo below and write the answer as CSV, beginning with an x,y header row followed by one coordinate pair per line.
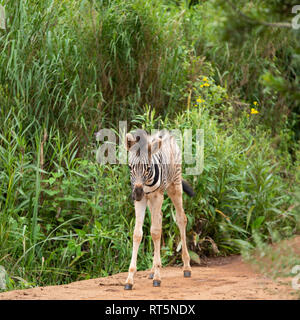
x,y
187,189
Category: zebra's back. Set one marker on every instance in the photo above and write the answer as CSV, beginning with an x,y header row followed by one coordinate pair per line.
x,y
168,159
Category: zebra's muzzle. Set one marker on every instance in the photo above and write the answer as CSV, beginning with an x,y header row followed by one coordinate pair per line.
x,y
138,193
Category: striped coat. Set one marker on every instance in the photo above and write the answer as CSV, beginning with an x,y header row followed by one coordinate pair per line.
x,y
155,161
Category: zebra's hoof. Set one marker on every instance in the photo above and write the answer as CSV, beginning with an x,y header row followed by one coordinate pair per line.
x,y
187,273
156,283
128,286
151,275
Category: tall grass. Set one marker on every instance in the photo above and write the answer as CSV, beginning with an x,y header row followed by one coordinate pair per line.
x,y
71,62
69,68
77,221
247,63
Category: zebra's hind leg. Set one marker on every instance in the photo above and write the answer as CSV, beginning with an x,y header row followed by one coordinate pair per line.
x,y
175,194
140,207
155,203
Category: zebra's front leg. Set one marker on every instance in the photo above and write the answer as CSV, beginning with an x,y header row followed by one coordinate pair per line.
x,y
140,207
151,274
155,203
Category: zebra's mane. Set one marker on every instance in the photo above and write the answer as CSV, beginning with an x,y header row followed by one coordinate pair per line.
x,y
139,152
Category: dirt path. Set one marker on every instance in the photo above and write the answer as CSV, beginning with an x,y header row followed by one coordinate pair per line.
x,y
220,278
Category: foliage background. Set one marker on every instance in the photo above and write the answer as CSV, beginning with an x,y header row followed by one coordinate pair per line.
x,y
71,67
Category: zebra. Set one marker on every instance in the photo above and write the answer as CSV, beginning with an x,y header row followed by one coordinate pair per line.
x,y
155,167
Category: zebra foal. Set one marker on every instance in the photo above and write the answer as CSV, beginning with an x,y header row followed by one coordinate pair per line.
x,y
155,167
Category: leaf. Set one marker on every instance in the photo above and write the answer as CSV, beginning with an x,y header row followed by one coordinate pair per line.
x,y
179,246
242,244
249,216
213,244
77,258
257,222
97,225
57,175
222,214
51,180
51,192
194,256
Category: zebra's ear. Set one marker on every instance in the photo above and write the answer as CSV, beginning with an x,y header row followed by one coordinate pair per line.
x,y
129,141
154,146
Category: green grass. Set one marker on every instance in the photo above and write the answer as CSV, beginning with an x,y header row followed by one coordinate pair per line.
x,y
70,68
278,262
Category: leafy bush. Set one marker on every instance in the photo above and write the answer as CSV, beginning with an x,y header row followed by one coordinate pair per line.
x,y
69,68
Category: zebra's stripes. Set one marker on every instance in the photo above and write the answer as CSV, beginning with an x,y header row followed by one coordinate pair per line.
x,y
155,166
154,161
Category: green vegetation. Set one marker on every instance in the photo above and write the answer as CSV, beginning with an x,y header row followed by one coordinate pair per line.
x,y
71,67
279,260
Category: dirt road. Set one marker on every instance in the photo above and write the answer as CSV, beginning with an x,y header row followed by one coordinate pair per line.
x,y
219,278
